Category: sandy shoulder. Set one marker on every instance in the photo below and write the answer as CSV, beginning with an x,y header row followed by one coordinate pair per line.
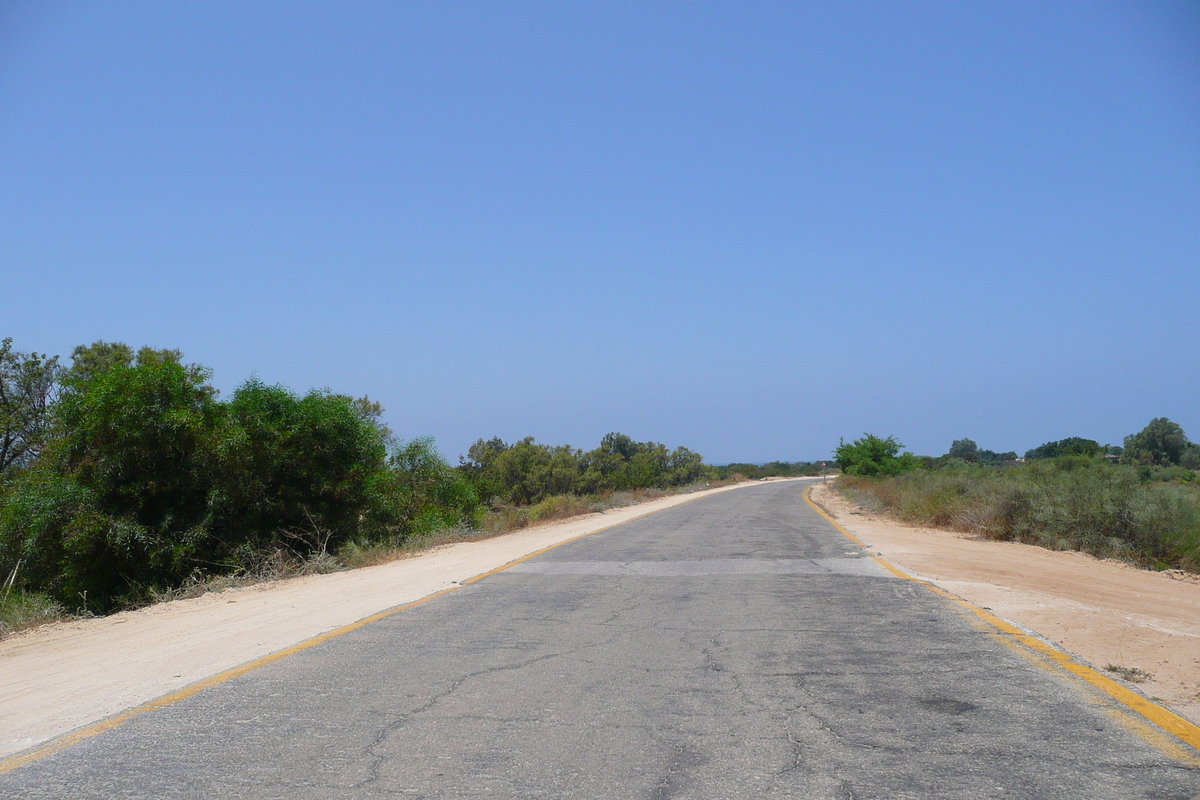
x,y
1104,612
59,677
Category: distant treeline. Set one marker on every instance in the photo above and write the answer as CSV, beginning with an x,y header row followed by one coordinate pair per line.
x,y
1162,443
526,472
1139,502
123,474
774,469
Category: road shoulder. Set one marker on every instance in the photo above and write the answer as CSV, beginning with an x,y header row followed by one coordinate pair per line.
x,y
1104,612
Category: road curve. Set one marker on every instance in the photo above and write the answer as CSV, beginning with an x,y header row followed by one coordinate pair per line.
x,y
736,646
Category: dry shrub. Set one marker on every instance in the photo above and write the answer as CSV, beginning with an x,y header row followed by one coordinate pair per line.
x,y
558,507
1064,504
20,610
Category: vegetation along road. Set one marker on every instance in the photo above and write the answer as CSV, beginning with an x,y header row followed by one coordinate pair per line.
x,y
734,646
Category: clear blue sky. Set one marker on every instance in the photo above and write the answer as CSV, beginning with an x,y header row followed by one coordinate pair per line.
x,y
747,228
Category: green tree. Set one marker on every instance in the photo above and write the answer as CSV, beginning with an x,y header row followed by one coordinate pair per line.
x,y
138,435
423,493
88,361
871,456
28,383
527,472
781,469
618,444
686,466
135,438
370,411
531,471
620,462
146,479
295,464
1161,442
1071,446
477,467
994,458
45,522
965,449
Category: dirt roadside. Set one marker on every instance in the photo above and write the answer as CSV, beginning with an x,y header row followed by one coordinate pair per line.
x,y
1103,612
60,677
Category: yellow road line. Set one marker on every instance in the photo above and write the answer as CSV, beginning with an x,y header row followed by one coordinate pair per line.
x,y
96,728
1163,718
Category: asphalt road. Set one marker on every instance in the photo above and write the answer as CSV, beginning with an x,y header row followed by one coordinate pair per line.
x,y
733,647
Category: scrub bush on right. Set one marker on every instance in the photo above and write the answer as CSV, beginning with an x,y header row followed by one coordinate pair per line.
x,y
1072,502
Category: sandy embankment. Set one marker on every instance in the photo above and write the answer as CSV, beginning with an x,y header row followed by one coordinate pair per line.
x,y
1103,612
59,677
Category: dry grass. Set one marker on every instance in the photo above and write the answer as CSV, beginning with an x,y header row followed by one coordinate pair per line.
x,y
1131,674
1109,511
371,554
19,611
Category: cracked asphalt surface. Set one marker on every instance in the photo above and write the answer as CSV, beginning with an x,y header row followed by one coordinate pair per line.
x,y
733,647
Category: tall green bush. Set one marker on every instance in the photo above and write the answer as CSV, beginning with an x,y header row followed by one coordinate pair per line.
x,y
307,466
1161,443
27,387
147,479
422,493
44,524
1071,446
871,455
137,439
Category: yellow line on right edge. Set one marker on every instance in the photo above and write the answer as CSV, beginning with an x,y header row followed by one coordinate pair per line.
x,y
1164,718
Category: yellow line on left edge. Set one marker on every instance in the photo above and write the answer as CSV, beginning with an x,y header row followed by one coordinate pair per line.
x,y
96,728
1163,718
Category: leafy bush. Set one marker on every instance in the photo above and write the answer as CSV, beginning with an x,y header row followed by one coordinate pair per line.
x,y
147,483
872,455
138,437
136,483
1163,443
119,498
422,493
293,464
1072,446
43,529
